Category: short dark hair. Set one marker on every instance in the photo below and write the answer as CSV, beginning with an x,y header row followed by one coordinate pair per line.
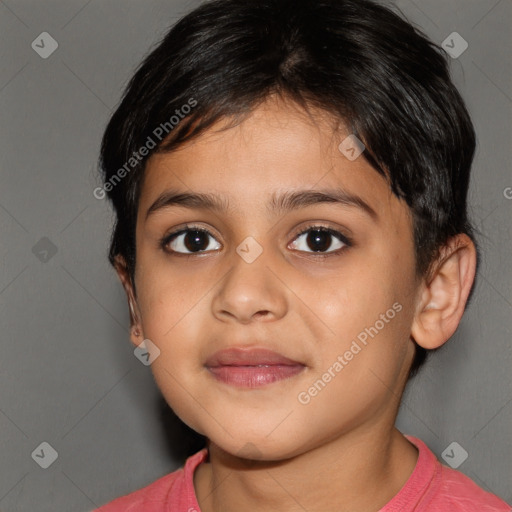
x,y
357,60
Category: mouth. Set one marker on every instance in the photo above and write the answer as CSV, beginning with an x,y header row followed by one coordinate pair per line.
x,y
251,368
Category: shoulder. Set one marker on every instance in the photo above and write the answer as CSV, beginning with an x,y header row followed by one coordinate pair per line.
x,y
434,487
457,492
153,495
176,488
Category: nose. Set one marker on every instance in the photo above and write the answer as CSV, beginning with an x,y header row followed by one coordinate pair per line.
x,y
250,292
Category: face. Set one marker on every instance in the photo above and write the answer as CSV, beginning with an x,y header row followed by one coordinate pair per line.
x,y
327,284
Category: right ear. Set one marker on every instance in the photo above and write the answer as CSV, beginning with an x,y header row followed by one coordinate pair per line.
x,y
136,333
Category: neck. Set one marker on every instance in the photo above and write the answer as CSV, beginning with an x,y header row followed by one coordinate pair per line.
x,y
355,472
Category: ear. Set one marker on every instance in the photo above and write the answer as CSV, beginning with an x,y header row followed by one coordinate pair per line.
x,y
444,293
136,332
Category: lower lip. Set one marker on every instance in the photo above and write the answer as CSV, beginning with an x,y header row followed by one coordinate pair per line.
x,y
254,376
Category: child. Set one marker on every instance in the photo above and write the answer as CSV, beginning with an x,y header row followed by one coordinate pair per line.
x,y
290,181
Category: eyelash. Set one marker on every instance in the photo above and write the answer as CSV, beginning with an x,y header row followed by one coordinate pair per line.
x,y
312,227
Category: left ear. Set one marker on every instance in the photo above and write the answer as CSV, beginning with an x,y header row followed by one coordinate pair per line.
x,y
444,293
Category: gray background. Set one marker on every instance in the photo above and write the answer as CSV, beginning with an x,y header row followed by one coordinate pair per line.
x,y
68,375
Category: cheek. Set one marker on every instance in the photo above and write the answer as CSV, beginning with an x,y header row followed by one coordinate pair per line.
x,y
168,302
172,312
365,318
351,300
178,369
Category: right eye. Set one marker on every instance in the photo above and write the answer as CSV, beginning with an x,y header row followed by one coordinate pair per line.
x,y
192,239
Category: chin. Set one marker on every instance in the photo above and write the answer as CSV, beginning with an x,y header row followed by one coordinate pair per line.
x,y
260,448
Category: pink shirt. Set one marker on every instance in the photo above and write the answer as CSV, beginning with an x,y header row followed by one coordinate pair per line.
x,y
432,487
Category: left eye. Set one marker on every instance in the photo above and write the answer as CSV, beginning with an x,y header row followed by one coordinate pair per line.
x,y
319,239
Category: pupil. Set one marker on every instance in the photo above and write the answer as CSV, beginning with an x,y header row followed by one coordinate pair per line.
x,y
320,239
196,241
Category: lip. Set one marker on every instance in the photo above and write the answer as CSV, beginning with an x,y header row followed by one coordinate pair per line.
x,y
248,357
251,368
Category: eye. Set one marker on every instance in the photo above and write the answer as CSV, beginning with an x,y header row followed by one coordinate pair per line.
x,y
319,239
195,240
191,239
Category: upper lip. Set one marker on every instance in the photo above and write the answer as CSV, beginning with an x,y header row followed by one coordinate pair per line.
x,y
248,357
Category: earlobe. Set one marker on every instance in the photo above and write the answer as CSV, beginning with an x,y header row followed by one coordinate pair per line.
x,y
443,297
136,333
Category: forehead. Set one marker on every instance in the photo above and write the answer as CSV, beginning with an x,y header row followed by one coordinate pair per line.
x,y
277,148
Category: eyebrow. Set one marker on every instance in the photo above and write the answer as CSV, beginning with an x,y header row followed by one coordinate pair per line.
x,y
281,203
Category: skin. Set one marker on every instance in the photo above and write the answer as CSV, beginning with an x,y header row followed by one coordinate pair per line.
x,y
267,451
